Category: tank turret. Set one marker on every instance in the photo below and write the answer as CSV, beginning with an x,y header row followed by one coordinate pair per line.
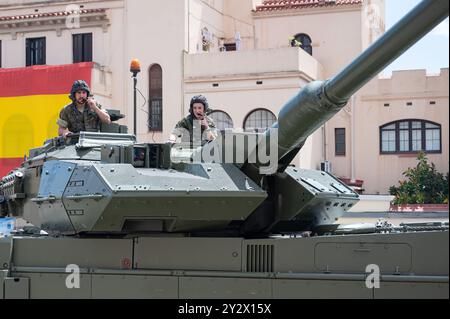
x,y
106,183
316,103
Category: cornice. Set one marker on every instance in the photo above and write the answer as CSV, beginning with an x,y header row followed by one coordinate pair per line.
x,y
306,11
53,23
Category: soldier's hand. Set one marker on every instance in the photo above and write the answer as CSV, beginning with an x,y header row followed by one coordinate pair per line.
x,y
91,102
204,123
66,133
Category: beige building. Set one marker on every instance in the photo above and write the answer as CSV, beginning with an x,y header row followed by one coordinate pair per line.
x,y
386,123
244,56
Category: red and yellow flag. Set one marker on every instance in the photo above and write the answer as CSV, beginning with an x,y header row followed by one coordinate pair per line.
x,y
30,101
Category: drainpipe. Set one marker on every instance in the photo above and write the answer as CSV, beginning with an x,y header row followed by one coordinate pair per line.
x,y
324,145
184,54
125,56
188,49
254,36
183,71
352,140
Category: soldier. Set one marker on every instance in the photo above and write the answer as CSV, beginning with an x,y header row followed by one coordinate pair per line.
x,y
83,114
197,116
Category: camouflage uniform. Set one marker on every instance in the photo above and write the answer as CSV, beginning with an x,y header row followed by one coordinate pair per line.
x,y
75,121
188,124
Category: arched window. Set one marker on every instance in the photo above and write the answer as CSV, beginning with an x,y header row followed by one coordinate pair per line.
x,y
222,120
155,98
259,120
410,136
304,41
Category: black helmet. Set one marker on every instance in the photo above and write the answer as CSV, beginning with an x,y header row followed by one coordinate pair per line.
x,y
199,99
79,85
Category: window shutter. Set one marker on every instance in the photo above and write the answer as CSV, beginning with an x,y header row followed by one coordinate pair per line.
x,y
87,47
28,52
77,45
43,52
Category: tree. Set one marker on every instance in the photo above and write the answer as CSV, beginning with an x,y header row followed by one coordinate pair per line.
x,y
424,185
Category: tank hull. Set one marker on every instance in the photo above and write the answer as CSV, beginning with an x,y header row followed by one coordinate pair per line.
x,y
237,268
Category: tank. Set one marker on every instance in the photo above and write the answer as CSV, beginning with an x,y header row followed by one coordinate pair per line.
x,y
195,222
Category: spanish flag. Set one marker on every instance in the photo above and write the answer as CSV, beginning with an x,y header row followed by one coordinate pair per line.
x,y
30,101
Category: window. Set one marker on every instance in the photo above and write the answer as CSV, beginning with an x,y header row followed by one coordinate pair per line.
x,y
82,47
410,136
305,42
222,120
339,139
155,98
35,54
230,46
259,120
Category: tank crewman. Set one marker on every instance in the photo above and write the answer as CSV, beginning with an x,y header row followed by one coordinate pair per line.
x,y
83,114
197,116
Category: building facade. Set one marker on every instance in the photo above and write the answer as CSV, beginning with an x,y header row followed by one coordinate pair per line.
x,y
387,123
249,57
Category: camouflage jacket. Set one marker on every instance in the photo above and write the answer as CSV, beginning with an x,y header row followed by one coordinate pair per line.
x,y
188,124
75,121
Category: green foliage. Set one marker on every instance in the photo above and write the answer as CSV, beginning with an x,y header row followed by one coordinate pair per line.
x,y
424,185
294,42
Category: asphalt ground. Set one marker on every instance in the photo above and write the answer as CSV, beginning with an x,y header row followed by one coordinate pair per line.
x,y
393,218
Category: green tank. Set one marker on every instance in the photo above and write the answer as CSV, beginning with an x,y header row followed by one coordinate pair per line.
x,y
175,221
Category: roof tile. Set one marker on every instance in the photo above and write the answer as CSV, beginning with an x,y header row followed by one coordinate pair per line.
x,y
49,14
278,5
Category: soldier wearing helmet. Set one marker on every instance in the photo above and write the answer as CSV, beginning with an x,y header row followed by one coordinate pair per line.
x,y
83,114
197,118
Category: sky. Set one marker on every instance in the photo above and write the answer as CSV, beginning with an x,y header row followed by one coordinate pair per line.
x,y
430,53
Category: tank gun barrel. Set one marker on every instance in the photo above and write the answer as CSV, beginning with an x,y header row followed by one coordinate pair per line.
x,y
318,101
